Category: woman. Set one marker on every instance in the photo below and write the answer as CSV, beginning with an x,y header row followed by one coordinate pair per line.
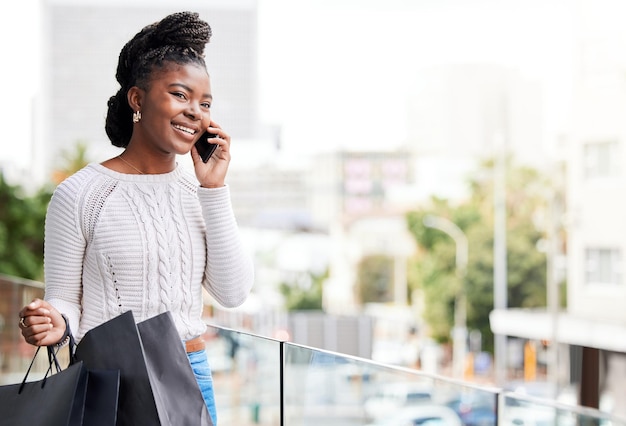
x,y
137,232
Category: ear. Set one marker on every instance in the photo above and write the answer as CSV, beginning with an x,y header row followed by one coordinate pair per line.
x,y
135,98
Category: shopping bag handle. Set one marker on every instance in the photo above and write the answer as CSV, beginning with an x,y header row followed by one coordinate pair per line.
x,y
53,350
28,371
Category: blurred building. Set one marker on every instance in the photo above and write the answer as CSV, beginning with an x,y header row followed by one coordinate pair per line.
x,y
329,213
80,46
355,196
596,183
334,187
591,332
346,186
271,196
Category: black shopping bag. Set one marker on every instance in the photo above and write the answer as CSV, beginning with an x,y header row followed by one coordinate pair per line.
x,y
157,384
101,398
61,398
174,384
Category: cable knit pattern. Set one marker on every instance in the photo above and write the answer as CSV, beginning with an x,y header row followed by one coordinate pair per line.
x,y
147,243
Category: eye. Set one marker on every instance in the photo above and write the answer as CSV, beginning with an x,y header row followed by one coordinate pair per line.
x,y
180,95
206,105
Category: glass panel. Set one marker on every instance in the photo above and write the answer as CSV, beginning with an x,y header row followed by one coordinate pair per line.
x,y
246,377
331,389
520,410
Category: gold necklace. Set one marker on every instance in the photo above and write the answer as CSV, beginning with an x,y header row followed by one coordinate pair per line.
x,y
136,169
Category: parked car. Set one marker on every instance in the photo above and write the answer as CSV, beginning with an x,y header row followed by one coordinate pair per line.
x,y
394,396
474,409
528,416
421,415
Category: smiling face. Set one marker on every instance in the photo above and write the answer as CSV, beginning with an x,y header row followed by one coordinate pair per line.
x,y
175,109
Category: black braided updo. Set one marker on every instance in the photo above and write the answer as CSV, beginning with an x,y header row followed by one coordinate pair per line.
x,y
179,38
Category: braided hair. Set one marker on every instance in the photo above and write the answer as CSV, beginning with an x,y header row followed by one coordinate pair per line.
x,y
178,38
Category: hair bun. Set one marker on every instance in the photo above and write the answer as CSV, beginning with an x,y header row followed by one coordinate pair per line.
x,y
184,29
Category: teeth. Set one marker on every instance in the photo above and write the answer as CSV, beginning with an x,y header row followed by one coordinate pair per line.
x,y
185,129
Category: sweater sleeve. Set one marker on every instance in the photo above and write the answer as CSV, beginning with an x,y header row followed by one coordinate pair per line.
x,y
229,274
64,248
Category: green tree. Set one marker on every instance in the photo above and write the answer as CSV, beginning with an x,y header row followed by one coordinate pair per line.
x,y
22,231
375,279
304,292
434,266
71,161
22,219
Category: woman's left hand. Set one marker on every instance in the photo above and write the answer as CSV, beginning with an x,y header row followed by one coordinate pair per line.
x,y
212,174
41,324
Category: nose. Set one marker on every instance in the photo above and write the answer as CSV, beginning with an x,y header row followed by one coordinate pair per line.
x,y
193,111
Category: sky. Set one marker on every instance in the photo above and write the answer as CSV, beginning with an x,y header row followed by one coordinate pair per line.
x,y
343,68
334,74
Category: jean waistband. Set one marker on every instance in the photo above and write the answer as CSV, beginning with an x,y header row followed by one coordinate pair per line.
x,y
194,345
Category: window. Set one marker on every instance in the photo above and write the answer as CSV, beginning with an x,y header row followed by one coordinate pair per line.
x,y
602,159
603,266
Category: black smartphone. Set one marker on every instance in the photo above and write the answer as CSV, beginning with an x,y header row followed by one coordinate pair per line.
x,y
204,147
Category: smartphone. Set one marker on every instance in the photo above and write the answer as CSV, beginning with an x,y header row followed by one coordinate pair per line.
x,y
204,147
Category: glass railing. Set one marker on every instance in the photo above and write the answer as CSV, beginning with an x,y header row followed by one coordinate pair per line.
x,y
247,375
331,389
262,381
525,410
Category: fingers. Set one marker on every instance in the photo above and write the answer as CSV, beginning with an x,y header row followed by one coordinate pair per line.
x,y
222,140
215,126
215,129
36,303
37,307
37,323
35,329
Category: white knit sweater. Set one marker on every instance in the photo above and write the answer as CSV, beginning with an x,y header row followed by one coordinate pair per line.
x,y
148,243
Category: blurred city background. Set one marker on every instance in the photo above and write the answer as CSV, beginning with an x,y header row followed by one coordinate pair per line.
x,y
426,184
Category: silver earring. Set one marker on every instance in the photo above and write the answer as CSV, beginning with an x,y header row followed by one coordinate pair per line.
x,y
136,117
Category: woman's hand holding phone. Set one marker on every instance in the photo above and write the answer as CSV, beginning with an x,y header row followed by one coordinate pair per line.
x,y
205,147
211,156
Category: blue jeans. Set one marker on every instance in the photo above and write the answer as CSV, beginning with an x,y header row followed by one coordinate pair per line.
x,y
202,371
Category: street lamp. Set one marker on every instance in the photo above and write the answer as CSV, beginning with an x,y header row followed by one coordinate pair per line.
x,y
459,333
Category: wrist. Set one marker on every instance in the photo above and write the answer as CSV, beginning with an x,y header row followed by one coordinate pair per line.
x,y
66,334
